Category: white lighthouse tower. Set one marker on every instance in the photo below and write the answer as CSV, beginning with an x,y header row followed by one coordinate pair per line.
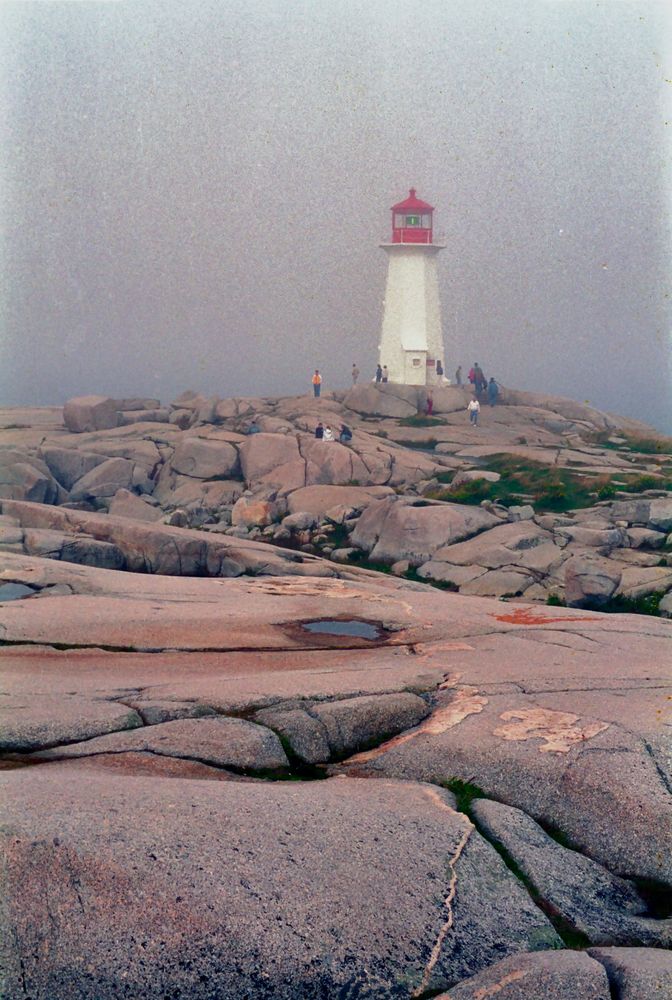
x,y
411,341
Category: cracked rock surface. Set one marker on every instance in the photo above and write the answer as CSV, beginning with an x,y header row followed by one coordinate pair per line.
x,y
497,814
223,889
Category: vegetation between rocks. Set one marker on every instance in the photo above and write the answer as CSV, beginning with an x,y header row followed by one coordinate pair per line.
x,y
547,488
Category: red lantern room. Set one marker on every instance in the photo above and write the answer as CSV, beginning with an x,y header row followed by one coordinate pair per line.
x,y
412,220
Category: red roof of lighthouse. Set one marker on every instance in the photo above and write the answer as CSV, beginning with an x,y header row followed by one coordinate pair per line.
x,y
412,204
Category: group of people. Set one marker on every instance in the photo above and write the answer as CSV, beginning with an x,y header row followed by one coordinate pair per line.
x,y
326,433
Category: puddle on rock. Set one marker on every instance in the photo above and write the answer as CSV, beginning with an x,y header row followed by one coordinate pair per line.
x,y
14,591
344,627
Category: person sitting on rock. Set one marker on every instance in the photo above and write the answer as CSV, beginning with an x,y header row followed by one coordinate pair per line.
x,y
493,392
345,437
474,409
319,430
328,434
253,428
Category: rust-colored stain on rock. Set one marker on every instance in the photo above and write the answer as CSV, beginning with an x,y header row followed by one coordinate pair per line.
x,y
530,616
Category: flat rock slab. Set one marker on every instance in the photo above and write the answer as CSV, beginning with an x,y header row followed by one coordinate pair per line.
x,y
224,742
551,975
207,889
34,722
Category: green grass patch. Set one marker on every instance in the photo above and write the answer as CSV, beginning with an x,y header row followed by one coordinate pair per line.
x,y
550,488
647,446
649,604
464,793
420,421
427,444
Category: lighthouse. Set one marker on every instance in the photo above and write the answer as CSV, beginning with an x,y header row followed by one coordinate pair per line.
x,y
411,340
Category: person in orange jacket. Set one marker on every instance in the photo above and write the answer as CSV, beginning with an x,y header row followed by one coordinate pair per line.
x,y
317,383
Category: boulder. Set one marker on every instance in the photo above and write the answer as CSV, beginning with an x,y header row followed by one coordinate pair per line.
x,y
357,723
446,573
222,741
155,712
505,582
272,458
636,973
305,735
503,545
138,403
36,721
104,480
318,499
590,581
23,476
328,462
603,907
301,521
638,582
551,975
631,511
378,400
251,511
606,538
127,504
127,417
524,512
645,538
201,458
473,475
660,514
403,528
67,465
92,552
44,542
90,413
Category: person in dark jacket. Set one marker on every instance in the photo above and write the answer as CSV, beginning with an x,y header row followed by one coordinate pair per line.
x,y
379,373
493,392
319,430
345,437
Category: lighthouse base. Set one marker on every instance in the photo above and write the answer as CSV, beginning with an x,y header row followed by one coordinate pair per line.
x,y
411,341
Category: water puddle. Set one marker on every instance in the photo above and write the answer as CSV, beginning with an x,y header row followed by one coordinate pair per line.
x,y
346,627
14,591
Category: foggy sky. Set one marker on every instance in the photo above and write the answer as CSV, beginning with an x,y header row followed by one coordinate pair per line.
x,y
194,193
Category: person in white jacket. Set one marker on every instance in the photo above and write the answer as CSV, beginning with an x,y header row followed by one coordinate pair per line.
x,y
474,409
328,434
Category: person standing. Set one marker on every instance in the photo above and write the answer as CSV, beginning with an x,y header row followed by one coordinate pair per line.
x,y
458,375
319,430
474,409
429,405
480,381
493,392
439,370
385,375
355,373
379,373
317,383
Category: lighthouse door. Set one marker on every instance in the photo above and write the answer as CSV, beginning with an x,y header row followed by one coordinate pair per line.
x,y
415,367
